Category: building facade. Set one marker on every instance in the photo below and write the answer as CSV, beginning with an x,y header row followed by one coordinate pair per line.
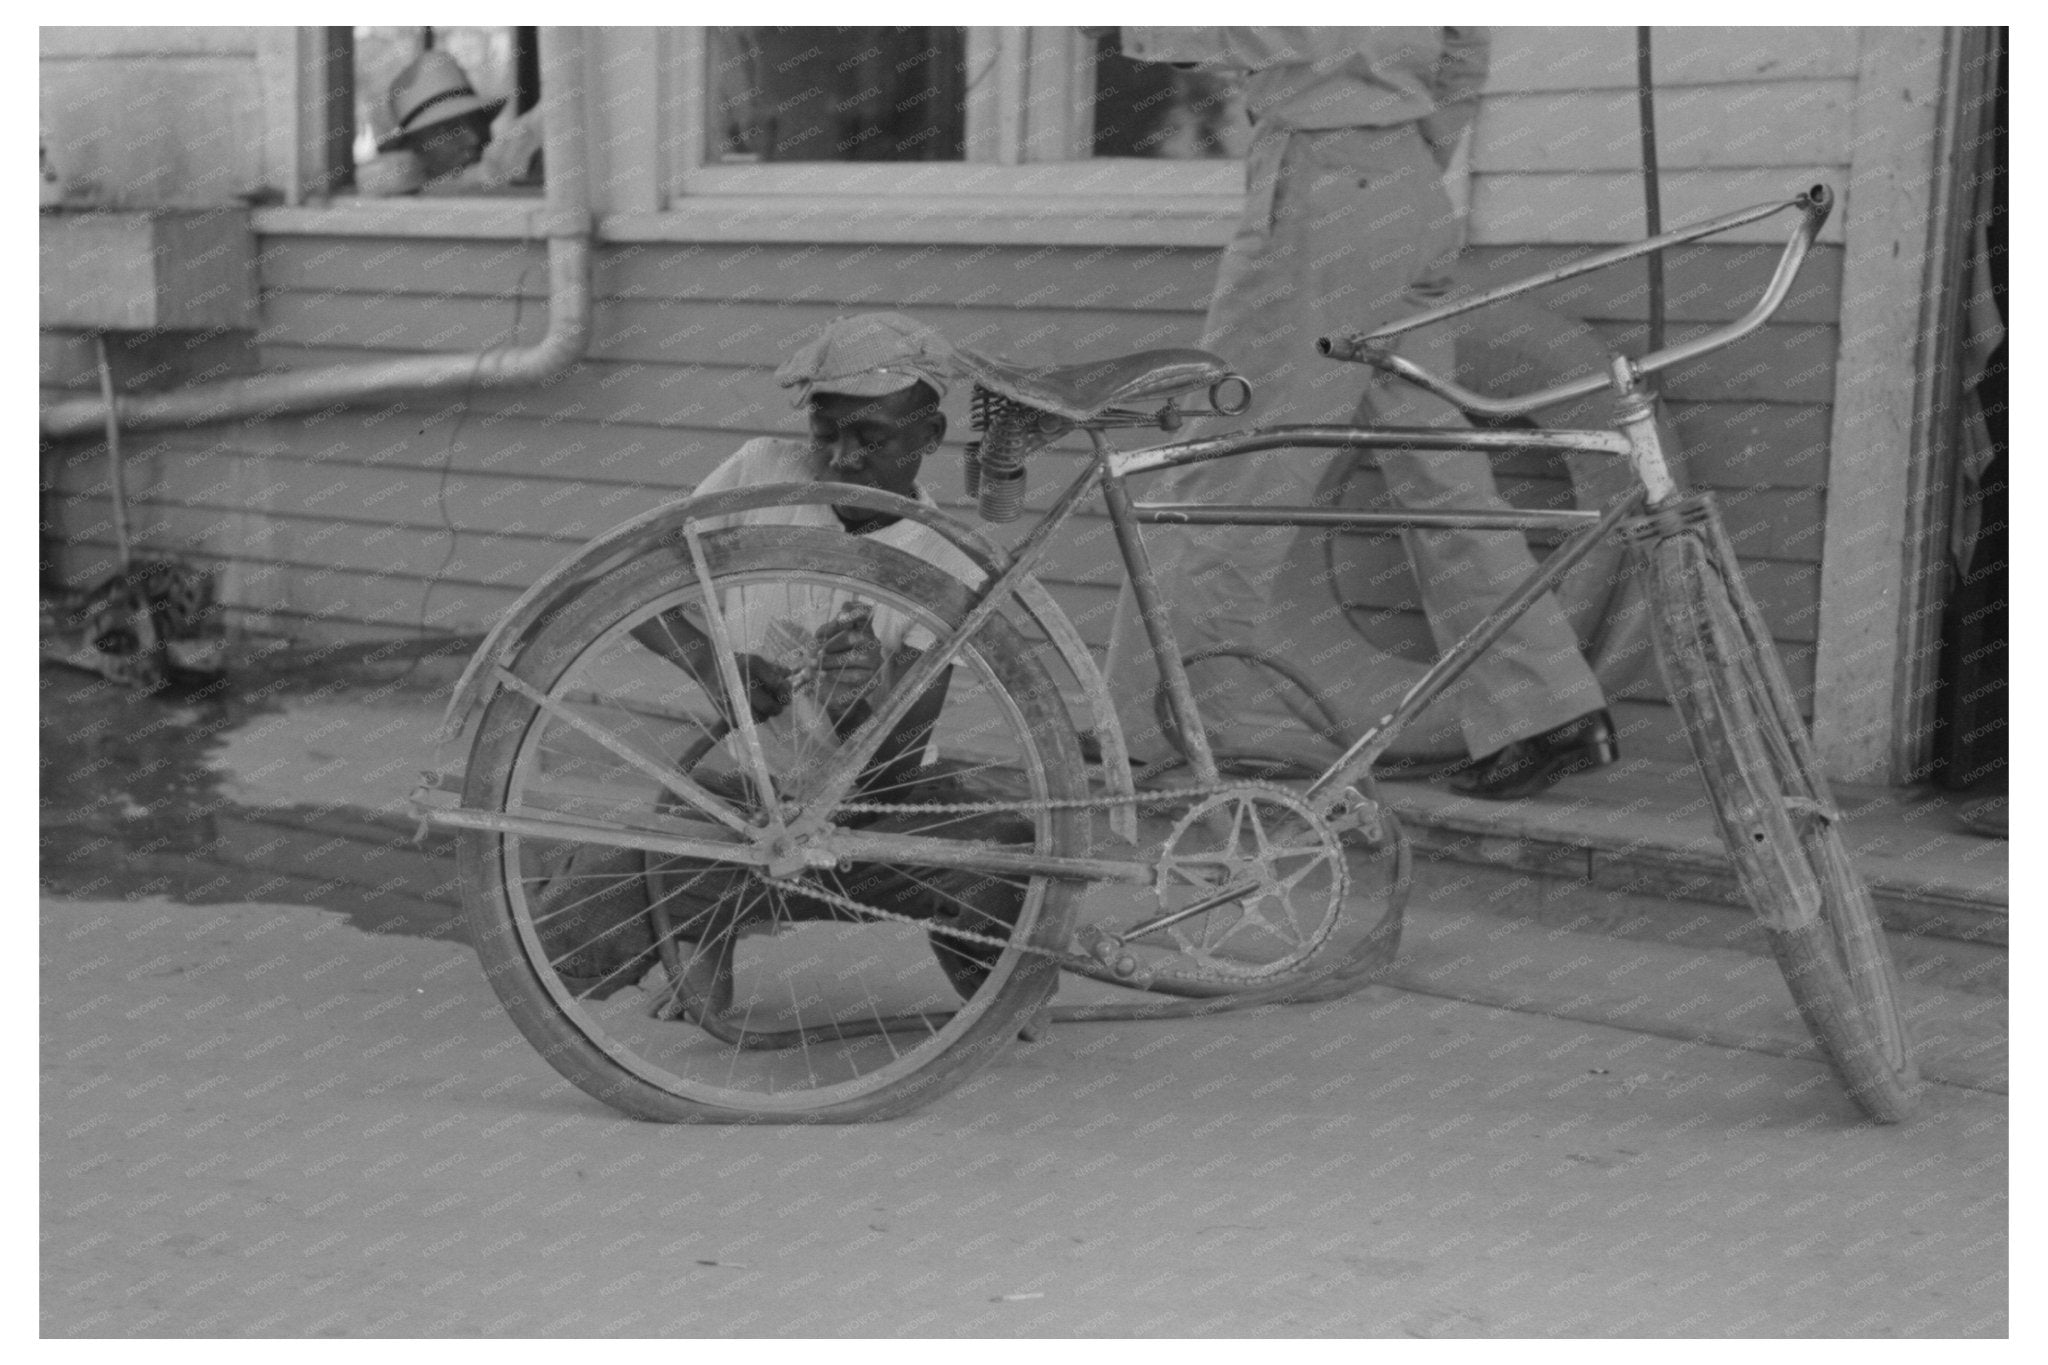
x,y
1052,208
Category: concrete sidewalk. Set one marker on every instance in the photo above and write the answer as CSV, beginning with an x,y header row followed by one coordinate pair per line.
x,y
1505,918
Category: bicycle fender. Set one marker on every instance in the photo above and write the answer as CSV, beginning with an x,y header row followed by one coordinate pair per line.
x,y
664,525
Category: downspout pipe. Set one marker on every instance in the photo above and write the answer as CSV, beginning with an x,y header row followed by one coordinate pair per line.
x,y
567,226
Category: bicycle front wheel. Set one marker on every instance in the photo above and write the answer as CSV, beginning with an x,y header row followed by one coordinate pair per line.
x,y
1777,816
706,988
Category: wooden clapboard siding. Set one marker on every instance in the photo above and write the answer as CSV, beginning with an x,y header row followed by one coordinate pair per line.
x,y
190,100
56,43
1788,123
1706,280
1510,207
314,540
1744,115
1735,445
344,515
330,602
636,331
1780,363
678,381
1542,59
876,276
1703,281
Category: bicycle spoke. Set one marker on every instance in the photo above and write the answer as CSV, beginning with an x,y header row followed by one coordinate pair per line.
x,y
556,912
958,774
729,675
660,772
875,1013
938,891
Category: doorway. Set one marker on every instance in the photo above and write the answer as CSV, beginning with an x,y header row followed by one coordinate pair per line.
x,y
1972,694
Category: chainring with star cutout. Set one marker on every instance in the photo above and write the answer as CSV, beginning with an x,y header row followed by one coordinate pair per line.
x,y
1291,865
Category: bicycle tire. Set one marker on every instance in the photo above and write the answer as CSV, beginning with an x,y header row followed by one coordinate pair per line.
x,y
1776,814
670,1069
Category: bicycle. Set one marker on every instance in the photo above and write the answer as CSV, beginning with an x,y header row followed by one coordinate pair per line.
x,y
830,1005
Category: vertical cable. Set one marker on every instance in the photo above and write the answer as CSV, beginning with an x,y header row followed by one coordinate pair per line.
x,y
1653,207
117,477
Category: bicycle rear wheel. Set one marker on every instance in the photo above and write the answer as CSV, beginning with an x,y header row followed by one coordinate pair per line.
x,y
1776,814
700,990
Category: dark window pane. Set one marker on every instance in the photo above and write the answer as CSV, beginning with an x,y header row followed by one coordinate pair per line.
x,y
837,94
1151,109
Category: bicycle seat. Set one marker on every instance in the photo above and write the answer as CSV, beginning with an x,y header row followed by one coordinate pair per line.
x,y
1081,392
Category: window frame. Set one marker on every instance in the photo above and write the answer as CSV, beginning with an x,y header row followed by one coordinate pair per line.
x,y
308,85
1011,149
651,186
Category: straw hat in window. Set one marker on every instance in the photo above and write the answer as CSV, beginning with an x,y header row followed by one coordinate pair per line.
x,y
433,90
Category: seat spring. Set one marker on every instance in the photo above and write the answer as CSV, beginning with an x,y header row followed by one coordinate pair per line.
x,y
995,463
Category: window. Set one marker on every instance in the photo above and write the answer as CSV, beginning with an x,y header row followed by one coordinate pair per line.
x,y
1150,109
843,94
355,70
972,133
980,110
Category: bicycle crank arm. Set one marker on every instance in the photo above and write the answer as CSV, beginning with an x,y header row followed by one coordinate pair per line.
x,y
1203,906
1107,948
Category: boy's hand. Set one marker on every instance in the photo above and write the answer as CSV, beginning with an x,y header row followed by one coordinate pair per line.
x,y
767,684
850,659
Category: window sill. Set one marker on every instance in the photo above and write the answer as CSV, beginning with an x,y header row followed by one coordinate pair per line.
x,y
1037,220
508,217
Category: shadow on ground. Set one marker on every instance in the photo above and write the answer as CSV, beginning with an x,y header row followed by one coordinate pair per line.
x,y
133,804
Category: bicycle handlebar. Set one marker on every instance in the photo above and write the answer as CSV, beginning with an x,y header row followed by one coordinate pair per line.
x,y
1368,347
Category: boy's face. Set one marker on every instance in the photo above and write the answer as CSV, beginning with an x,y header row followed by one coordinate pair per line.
x,y
447,148
877,442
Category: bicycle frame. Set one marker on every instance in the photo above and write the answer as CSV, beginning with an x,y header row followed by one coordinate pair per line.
x,y
1586,530
1776,816
1332,791
1634,436
805,839
1110,469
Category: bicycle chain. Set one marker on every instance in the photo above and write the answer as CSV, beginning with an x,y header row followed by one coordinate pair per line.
x,y
1160,797
815,892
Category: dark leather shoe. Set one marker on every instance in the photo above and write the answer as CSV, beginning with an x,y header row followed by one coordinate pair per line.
x,y
1532,765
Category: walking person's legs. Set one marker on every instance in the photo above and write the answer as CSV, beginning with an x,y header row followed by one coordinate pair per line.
x,y
1534,678
1306,259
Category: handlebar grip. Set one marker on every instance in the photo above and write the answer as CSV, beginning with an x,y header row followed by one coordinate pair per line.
x,y
1817,202
1346,345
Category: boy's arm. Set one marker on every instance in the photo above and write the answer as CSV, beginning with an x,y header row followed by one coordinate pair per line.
x,y
902,753
853,671
673,637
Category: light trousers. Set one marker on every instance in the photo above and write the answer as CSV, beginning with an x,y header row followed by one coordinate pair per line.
x,y
1345,228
